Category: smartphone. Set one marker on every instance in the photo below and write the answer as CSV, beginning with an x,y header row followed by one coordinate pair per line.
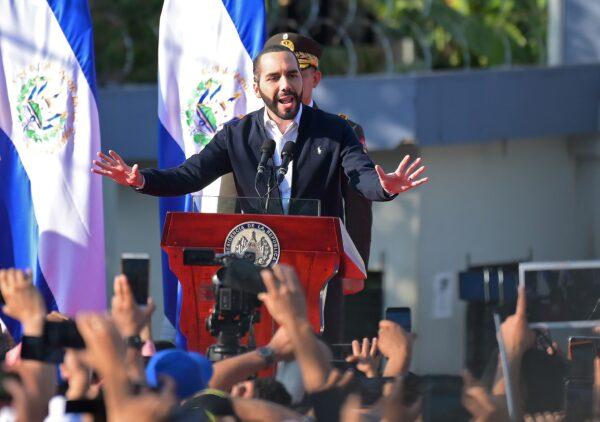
x,y
562,294
339,353
94,407
62,335
581,352
136,267
401,316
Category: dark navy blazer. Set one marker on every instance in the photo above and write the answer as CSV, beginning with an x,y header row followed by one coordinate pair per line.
x,y
326,144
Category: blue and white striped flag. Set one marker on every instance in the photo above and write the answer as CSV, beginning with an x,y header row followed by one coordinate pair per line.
x,y
205,80
51,217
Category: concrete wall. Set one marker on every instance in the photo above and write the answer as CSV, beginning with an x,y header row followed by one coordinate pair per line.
x,y
496,202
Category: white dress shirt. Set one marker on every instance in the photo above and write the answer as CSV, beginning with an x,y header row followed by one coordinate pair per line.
x,y
290,134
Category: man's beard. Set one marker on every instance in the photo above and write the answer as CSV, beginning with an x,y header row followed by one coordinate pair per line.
x,y
272,103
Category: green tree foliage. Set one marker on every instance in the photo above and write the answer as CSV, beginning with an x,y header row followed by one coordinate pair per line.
x,y
468,33
444,34
126,39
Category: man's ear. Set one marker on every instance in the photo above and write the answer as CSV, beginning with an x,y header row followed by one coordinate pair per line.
x,y
255,88
317,75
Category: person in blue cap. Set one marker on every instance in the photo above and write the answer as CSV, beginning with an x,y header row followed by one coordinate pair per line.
x,y
191,371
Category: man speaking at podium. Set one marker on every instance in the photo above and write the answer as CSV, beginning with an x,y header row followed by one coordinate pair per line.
x,y
319,144
324,145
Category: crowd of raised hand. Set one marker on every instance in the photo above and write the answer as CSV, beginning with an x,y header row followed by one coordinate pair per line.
x,y
113,378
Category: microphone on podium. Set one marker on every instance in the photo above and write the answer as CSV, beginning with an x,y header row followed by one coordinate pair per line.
x,y
267,149
287,155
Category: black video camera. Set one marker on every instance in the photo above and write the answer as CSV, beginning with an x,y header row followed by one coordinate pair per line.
x,y
236,285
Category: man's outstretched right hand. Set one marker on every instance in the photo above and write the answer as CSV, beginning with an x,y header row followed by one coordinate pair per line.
x,y
113,166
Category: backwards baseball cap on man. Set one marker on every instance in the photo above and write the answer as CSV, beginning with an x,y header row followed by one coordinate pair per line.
x,y
307,50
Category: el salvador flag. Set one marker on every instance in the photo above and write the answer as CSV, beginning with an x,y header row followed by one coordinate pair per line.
x,y
51,217
205,56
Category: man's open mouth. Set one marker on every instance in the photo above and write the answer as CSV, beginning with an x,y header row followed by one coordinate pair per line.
x,y
286,99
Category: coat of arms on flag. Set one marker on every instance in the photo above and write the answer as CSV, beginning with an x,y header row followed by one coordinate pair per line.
x,y
213,103
46,106
202,86
51,213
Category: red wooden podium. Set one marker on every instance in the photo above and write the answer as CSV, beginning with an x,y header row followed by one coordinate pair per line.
x,y
312,245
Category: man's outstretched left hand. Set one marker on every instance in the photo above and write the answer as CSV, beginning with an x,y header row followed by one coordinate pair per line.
x,y
404,178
